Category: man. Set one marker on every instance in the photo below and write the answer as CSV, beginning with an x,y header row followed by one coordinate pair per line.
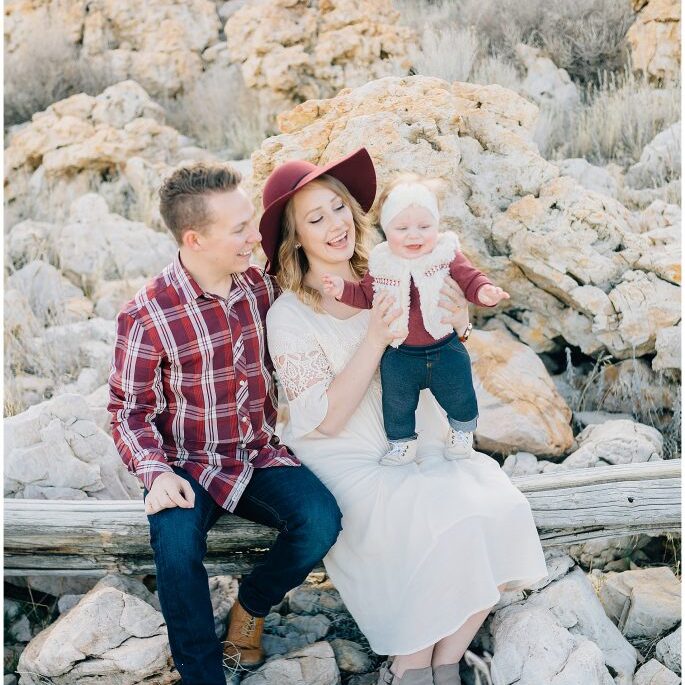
x,y
193,416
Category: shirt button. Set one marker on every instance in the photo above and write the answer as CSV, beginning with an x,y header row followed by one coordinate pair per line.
x,y
242,382
241,444
244,419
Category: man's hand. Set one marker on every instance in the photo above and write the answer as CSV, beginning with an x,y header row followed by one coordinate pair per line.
x,y
333,285
169,490
490,295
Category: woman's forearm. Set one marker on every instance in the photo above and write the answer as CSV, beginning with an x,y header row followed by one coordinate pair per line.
x,y
348,388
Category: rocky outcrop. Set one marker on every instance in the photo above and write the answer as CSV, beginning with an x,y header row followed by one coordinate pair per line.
x,y
654,40
578,265
85,144
54,450
519,407
659,161
290,51
161,48
109,635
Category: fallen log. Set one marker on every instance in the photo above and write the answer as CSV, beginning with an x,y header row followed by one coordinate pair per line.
x,y
95,537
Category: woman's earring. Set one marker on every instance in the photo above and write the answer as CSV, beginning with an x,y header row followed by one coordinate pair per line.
x,y
297,246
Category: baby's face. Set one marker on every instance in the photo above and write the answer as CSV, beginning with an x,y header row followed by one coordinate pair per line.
x,y
412,233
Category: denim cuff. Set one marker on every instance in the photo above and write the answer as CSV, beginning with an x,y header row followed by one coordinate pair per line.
x,y
465,426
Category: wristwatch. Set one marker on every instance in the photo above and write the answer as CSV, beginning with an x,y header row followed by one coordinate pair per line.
x,y
465,335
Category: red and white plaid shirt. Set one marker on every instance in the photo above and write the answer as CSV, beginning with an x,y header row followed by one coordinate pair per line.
x,y
191,383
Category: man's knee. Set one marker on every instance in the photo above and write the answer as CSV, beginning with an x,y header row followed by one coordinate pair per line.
x,y
320,522
176,538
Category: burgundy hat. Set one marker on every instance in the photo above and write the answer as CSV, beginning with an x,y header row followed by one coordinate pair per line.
x,y
355,172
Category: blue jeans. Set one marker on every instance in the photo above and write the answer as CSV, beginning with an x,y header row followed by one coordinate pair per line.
x,y
291,499
444,368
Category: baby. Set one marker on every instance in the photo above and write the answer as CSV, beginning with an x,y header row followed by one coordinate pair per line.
x,y
411,265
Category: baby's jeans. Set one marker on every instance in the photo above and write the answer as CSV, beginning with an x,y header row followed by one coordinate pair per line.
x,y
444,368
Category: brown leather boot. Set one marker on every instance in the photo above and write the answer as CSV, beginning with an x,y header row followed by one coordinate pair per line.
x,y
244,638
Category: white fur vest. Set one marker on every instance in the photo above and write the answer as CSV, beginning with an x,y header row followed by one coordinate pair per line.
x,y
393,274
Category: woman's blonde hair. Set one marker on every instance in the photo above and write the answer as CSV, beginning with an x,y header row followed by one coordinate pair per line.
x,y
293,264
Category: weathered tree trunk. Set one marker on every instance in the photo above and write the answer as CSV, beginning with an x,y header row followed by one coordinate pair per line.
x,y
93,537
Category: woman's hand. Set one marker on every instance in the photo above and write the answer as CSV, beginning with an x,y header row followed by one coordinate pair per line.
x,y
456,304
383,313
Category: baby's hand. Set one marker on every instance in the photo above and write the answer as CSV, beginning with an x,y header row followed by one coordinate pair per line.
x,y
490,295
333,285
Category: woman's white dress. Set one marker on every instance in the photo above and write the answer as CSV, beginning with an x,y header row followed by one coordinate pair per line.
x,y
423,546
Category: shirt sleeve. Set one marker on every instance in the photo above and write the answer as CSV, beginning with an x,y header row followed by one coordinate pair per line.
x,y
303,372
358,295
470,279
135,398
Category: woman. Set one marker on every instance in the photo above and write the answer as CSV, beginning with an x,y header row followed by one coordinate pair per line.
x,y
426,548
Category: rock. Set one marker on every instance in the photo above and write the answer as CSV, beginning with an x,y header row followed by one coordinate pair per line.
x,y
97,403
81,145
109,636
53,299
594,178
350,657
363,679
67,602
129,586
653,673
118,250
313,665
521,464
643,603
290,51
654,40
616,442
10,679
315,598
545,82
27,241
668,351
161,47
602,553
223,591
20,630
519,407
287,633
668,650
590,418
56,444
659,161
573,638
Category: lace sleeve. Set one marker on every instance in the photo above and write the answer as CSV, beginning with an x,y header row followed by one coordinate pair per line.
x,y
304,374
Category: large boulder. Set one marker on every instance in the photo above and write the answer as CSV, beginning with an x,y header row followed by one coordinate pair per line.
x,y
576,263
83,144
161,48
644,603
295,50
654,40
659,161
560,635
519,407
54,450
110,636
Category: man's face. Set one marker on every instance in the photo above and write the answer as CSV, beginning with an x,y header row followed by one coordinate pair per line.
x,y
228,240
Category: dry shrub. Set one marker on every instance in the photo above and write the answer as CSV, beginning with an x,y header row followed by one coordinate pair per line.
x,y
45,69
616,120
220,114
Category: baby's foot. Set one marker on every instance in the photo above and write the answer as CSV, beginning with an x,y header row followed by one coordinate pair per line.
x,y
459,444
400,453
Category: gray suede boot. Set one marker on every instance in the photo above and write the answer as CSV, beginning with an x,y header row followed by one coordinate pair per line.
x,y
447,674
412,676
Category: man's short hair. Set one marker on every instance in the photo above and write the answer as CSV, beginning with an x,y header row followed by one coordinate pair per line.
x,y
182,196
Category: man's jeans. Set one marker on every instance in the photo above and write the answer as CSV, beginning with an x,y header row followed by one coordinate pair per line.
x,y
444,368
288,498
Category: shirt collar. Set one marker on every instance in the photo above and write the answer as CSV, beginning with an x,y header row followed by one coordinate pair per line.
x,y
189,289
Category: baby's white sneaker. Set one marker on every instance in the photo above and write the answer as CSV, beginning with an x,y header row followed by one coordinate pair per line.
x,y
400,453
459,444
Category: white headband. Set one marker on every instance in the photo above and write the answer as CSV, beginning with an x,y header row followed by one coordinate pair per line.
x,y
405,195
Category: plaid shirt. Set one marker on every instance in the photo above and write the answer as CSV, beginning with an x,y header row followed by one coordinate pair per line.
x,y
191,383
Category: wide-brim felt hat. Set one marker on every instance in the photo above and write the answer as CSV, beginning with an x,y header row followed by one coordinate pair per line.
x,y
355,171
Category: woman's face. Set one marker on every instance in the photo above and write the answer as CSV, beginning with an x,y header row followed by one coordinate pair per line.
x,y
324,225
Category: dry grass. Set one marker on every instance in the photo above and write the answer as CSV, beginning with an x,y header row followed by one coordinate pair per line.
x,y
45,69
220,114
